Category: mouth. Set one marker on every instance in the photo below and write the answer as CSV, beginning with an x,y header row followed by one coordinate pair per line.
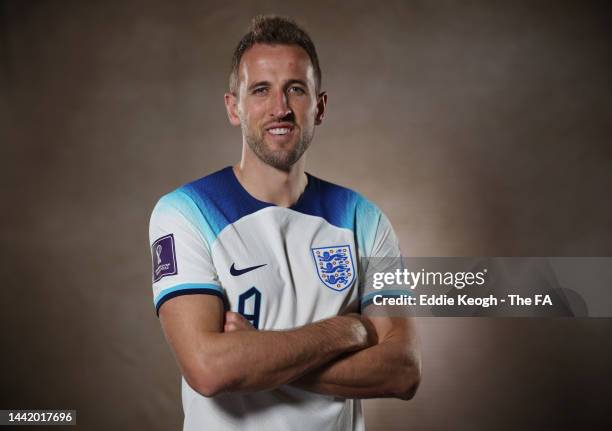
x,y
280,129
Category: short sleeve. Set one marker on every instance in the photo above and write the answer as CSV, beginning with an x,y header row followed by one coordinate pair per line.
x,y
383,255
385,241
180,252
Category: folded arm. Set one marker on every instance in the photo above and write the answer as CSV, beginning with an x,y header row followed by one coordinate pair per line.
x,y
213,361
390,367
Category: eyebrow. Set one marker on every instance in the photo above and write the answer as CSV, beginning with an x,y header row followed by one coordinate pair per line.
x,y
258,84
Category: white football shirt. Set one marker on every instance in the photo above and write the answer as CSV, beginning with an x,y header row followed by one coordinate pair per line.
x,y
280,268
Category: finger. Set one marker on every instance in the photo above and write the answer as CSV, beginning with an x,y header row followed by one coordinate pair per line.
x,y
231,316
239,322
237,318
230,327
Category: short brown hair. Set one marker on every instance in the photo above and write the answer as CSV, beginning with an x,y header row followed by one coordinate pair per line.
x,y
271,30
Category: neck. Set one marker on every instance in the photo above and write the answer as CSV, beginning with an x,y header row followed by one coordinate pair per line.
x,y
269,184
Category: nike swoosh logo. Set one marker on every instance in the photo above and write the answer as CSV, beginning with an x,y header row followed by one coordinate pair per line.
x,y
236,272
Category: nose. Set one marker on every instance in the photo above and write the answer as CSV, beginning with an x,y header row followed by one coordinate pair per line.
x,y
280,105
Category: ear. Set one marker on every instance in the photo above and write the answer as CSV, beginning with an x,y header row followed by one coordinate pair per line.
x,y
231,106
321,105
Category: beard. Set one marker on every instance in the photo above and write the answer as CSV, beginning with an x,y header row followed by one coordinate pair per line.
x,y
281,159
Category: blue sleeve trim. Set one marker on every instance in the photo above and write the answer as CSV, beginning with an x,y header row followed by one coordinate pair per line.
x,y
187,289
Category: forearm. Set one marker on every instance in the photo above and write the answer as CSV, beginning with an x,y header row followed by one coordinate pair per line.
x,y
375,372
259,360
390,368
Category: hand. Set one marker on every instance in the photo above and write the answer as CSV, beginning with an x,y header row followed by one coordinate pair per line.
x,y
236,322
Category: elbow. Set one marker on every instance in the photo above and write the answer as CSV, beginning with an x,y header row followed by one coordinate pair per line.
x,y
409,390
207,387
409,381
204,384
207,381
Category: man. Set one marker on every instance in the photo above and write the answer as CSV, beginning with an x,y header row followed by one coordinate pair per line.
x,y
257,277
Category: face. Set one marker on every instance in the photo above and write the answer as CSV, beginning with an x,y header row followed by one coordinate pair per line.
x,y
276,103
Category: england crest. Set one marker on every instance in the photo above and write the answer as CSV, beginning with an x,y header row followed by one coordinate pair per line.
x,y
335,266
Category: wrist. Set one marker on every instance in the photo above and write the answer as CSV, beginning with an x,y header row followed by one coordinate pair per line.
x,y
357,331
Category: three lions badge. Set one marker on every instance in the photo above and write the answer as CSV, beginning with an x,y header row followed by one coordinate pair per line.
x,y
335,266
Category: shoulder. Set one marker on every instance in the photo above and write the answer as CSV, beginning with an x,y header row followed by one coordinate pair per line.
x,y
215,187
343,206
349,209
196,203
203,193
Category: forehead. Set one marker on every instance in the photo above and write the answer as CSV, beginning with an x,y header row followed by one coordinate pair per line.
x,y
264,62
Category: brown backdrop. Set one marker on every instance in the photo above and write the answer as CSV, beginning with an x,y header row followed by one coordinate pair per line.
x,y
480,128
